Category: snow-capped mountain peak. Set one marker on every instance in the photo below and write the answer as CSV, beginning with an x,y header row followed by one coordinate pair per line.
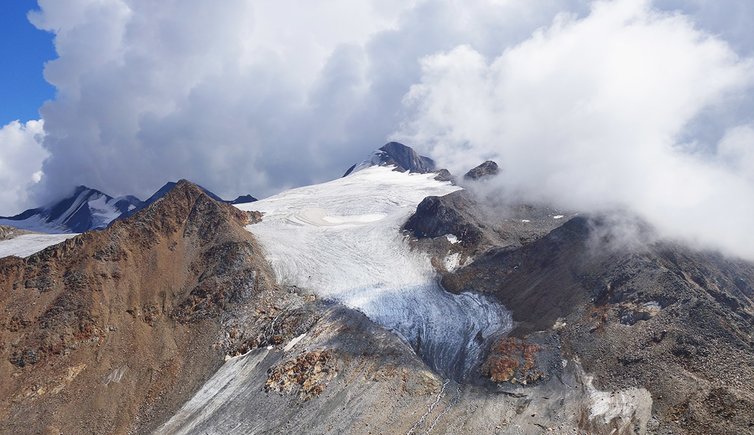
x,y
84,209
403,157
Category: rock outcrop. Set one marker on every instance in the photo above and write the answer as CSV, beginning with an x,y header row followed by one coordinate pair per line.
x,y
7,233
484,170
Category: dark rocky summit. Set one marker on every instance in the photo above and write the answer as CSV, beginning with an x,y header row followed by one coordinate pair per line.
x,y
485,170
406,158
396,154
243,199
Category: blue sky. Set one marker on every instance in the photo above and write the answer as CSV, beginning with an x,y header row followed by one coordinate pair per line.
x,y
24,50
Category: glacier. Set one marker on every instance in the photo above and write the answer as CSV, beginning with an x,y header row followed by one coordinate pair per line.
x,y
342,241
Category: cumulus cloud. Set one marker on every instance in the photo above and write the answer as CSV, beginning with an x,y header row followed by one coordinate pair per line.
x,y
238,96
244,96
20,163
594,105
591,113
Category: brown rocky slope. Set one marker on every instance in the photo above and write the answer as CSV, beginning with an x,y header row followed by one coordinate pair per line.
x,y
113,330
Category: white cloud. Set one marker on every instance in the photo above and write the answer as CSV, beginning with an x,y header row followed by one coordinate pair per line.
x,y
589,113
241,97
736,151
593,104
244,96
20,163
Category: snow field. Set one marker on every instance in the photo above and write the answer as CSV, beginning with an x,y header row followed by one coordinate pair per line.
x,y
342,240
28,244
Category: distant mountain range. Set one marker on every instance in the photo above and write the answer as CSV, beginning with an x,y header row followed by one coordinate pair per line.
x,y
89,209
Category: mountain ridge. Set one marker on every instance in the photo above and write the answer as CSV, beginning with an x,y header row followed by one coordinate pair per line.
x,y
88,209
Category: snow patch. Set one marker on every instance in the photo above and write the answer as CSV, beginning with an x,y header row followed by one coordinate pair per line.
x,y
452,261
558,216
116,375
222,388
452,238
622,407
293,342
102,211
374,160
28,244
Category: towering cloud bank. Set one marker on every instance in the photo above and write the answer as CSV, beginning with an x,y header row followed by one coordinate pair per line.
x,y
20,163
242,96
637,104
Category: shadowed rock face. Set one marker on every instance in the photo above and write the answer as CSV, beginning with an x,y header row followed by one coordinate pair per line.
x,y
485,170
477,227
437,216
243,199
111,331
406,158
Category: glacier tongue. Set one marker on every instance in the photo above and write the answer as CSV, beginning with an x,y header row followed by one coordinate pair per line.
x,y
342,240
